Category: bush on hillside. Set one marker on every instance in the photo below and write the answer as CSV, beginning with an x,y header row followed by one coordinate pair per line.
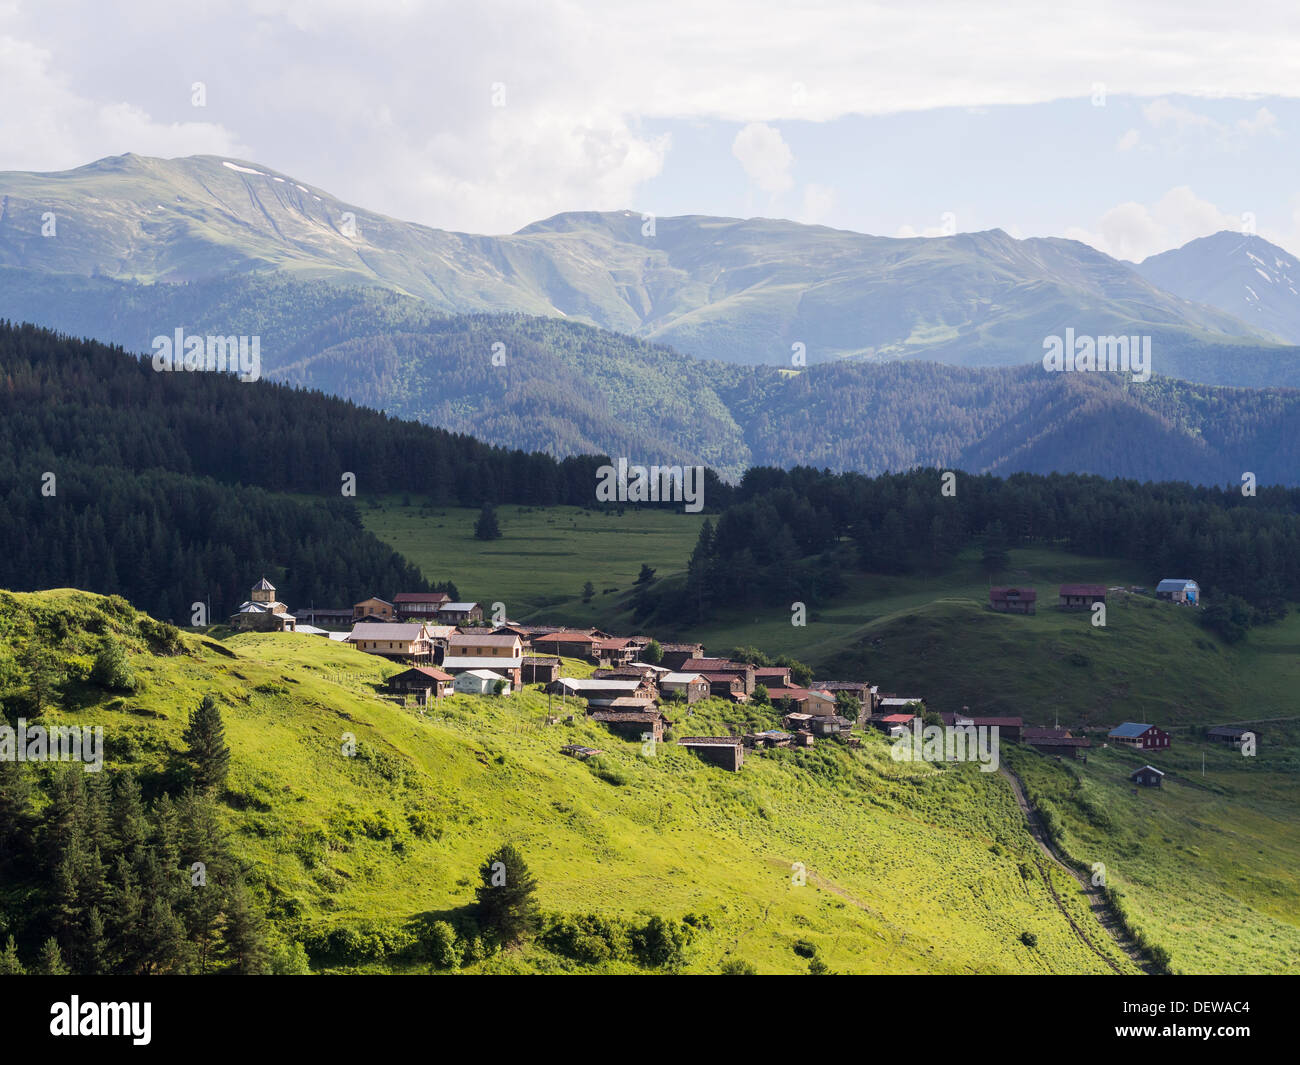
x,y
443,947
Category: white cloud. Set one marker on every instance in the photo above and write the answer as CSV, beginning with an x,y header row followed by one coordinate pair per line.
x,y
818,204
1264,121
47,125
765,157
1186,121
386,102
1166,113
1134,231
1128,141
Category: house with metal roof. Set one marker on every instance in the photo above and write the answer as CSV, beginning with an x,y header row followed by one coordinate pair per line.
x,y
1179,590
480,682
1140,736
396,640
1014,600
262,612
726,752
1230,735
1081,596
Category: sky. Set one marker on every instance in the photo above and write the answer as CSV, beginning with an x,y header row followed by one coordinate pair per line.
x,y
1134,126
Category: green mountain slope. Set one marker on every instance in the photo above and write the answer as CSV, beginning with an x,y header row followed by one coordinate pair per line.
x,y
563,388
728,289
910,868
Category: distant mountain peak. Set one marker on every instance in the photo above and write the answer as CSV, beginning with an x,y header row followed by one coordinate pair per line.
x,y
1240,273
738,290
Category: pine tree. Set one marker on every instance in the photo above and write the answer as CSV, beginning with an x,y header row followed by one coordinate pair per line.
x,y
51,963
699,574
507,896
486,528
17,819
205,737
130,826
246,948
94,947
44,674
9,963
996,556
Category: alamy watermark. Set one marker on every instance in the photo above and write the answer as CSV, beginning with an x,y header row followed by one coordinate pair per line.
x,y
654,484
58,743
240,355
1086,354
949,743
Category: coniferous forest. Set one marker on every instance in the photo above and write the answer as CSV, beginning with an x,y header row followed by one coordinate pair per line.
x,y
795,534
165,487
170,488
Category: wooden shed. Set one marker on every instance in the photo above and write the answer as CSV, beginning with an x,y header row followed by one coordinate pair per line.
x,y
726,752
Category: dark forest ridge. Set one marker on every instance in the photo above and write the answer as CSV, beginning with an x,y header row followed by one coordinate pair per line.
x,y
569,389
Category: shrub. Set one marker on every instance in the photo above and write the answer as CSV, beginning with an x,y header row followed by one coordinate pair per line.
x,y
804,948
1029,939
367,942
738,967
475,950
661,943
445,951
289,959
111,669
163,639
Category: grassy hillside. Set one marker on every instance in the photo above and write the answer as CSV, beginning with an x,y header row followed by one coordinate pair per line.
x,y
545,555
933,635
910,868
1208,865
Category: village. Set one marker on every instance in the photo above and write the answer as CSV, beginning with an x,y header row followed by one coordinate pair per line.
x,y
639,687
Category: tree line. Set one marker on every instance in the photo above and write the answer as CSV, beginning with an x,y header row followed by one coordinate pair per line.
x,y
171,489
795,535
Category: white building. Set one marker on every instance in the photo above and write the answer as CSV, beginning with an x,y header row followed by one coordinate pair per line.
x,y
479,682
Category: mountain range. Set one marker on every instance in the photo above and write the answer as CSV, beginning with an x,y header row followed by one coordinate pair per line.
x,y
735,290
1238,273
554,338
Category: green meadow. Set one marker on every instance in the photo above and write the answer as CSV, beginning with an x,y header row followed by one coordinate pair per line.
x,y
1207,865
545,555
932,635
908,868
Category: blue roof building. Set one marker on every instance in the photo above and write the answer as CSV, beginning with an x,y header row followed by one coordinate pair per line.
x,y
1179,590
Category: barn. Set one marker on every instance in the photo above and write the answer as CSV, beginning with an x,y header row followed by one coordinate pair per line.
x,y
1013,600
1147,777
1179,590
724,751
424,682
1081,596
1139,736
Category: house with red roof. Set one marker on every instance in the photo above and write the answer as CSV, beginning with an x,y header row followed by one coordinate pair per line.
x,y
1016,600
568,644
1081,596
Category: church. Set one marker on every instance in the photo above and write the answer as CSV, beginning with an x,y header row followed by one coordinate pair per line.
x,y
262,612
